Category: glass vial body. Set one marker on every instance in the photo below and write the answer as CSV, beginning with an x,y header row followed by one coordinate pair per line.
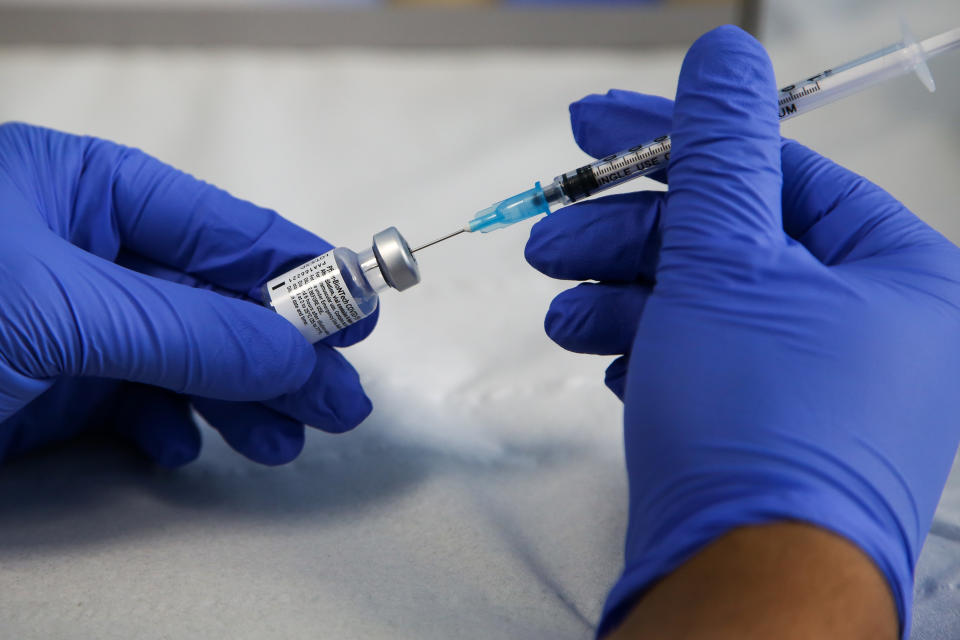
x,y
328,293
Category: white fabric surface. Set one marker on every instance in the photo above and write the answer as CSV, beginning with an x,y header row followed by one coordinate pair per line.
x,y
485,495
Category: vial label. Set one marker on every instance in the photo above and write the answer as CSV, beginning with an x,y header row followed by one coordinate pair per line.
x,y
315,298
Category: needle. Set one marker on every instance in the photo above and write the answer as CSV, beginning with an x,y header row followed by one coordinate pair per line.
x,y
449,235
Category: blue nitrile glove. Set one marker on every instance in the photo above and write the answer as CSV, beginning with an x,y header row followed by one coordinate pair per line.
x,y
131,291
793,332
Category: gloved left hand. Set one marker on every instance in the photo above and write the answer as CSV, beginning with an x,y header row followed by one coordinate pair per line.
x,y
131,291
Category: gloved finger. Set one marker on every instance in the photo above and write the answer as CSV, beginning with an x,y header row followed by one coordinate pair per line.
x,y
605,124
331,400
597,318
253,430
41,423
187,224
159,423
840,216
614,239
95,318
132,260
141,264
725,180
616,376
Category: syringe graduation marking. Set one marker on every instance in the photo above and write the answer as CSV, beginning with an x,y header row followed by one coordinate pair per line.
x,y
615,164
808,90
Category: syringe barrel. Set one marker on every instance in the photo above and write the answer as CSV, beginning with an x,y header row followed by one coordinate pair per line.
x,y
849,78
792,100
614,169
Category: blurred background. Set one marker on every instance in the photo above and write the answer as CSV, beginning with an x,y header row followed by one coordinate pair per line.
x,y
371,22
484,497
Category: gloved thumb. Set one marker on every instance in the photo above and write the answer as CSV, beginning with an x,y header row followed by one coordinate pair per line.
x,y
118,323
725,179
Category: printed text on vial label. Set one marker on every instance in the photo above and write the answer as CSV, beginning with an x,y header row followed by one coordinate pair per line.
x,y
315,298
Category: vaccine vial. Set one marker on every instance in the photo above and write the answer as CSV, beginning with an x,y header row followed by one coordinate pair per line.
x,y
341,287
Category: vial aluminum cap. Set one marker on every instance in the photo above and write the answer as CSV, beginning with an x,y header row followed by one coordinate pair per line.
x,y
397,263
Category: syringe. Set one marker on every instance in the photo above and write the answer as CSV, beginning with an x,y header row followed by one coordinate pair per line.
x,y
341,287
794,100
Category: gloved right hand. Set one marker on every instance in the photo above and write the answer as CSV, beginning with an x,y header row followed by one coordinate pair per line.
x,y
792,331
131,293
